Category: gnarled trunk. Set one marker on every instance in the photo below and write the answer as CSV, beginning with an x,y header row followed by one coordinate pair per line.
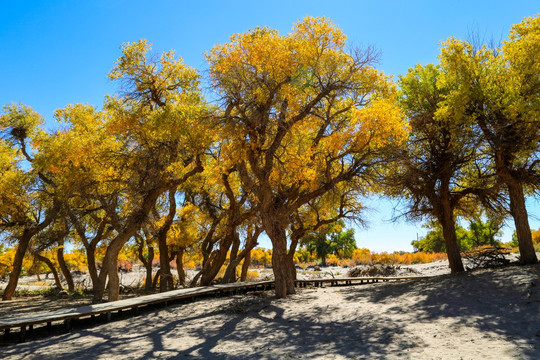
x,y
22,246
283,278
216,261
64,268
290,255
165,275
166,281
521,221
245,266
148,267
92,270
448,224
50,265
180,266
146,261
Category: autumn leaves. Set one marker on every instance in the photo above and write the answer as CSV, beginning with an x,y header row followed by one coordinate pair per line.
x,y
301,128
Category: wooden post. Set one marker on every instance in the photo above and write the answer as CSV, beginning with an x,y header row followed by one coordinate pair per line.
x,y
67,325
23,333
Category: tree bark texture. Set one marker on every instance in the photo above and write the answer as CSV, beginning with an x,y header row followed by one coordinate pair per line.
x,y
283,278
180,266
64,268
449,233
22,246
527,254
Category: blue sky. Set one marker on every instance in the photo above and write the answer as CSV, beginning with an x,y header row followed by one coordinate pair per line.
x,y
56,53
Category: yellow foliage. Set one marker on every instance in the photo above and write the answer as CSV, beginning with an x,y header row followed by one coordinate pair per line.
x,y
536,236
76,261
261,257
6,261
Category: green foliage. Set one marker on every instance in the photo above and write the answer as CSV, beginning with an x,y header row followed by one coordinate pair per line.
x,y
331,239
479,233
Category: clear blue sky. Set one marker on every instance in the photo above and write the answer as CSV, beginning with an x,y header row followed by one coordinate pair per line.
x,y
54,53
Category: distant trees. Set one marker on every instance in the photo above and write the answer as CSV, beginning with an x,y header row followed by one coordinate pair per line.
x,y
330,239
478,233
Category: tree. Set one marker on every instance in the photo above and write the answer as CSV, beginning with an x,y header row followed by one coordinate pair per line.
x,y
153,136
27,194
479,233
440,168
300,115
331,239
500,89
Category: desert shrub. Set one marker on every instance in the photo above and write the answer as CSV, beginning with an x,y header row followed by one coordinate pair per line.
x,y
252,276
486,257
372,270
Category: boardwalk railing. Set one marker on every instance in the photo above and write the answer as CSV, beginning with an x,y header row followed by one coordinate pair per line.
x,y
133,304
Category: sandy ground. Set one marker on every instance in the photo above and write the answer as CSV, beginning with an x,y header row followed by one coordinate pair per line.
x,y
484,314
135,278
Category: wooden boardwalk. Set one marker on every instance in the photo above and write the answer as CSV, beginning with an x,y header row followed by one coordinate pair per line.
x,y
26,323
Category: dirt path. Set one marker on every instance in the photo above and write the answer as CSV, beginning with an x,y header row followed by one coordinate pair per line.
x,y
486,314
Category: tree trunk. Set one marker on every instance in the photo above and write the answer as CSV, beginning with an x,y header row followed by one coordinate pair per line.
x,y
180,266
49,263
283,279
449,233
114,281
148,267
234,260
216,261
245,266
64,268
92,270
156,279
109,270
166,282
165,278
290,256
521,221
147,262
22,246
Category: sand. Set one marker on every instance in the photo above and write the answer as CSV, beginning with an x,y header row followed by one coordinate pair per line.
x,y
483,314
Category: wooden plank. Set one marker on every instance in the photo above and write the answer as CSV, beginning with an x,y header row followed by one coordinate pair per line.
x,y
97,309
165,297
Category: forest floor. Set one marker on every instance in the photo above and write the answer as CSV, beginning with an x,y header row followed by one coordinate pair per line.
x,y
481,314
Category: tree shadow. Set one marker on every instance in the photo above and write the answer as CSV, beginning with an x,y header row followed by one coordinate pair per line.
x,y
504,301
501,301
262,330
